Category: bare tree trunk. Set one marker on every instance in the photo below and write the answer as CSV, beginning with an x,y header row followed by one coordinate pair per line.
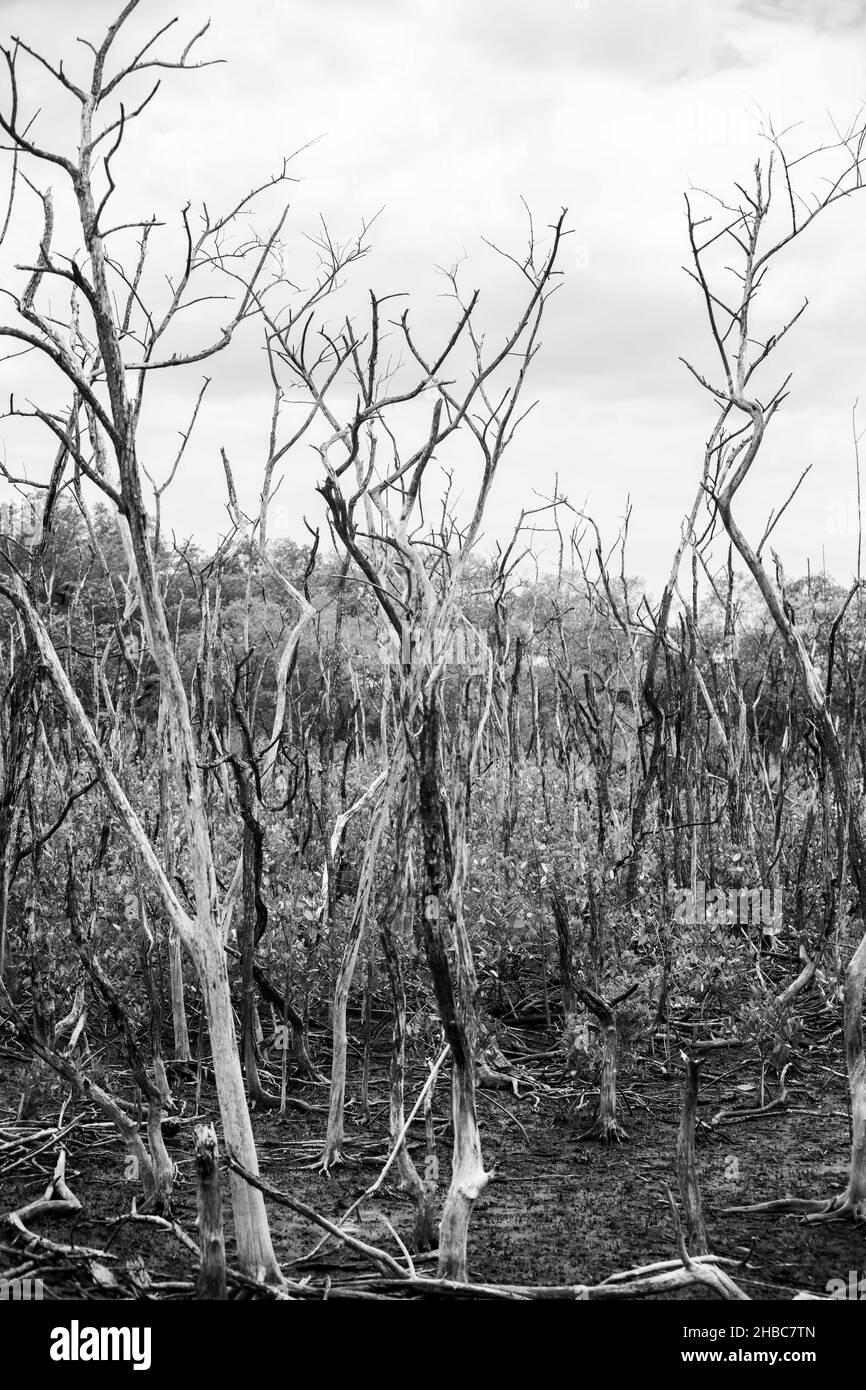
x,y
17,729
369,985
178,1002
734,451
203,937
211,1282
563,941
287,1010
147,944
157,1169
254,924
853,1200
605,1126
89,1092
41,978
255,1250
455,987
333,1150
393,922
687,1173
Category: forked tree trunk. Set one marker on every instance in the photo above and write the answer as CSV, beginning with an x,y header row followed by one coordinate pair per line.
x,y
605,1126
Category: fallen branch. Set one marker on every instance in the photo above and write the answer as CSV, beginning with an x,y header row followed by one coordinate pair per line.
x,y
379,1258
58,1200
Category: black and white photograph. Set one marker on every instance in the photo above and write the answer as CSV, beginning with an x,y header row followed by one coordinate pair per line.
x,y
432,678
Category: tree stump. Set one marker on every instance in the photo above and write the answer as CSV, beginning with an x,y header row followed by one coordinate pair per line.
x,y
211,1281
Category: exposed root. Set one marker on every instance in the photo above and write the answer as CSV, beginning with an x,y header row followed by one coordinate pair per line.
x,y
331,1158
839,1208
58,1200
780,1206
495,1080
607,1130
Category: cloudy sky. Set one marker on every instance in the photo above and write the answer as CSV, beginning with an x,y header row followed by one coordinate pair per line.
x,y
444,114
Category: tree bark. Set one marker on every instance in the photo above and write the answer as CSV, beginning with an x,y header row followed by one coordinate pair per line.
x,y
211,1282
687,1173
455,988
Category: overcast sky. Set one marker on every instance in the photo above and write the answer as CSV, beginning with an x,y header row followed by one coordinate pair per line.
x,y
444,114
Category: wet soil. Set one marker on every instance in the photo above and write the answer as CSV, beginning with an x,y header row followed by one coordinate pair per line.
x,y
558,1210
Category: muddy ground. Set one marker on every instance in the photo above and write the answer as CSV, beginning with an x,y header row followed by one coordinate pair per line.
x,y
559,1210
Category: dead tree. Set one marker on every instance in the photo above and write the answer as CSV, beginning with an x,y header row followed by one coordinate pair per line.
x,y
768,215
394,922
374,510
211,1282
687,1173
118,344
605,1126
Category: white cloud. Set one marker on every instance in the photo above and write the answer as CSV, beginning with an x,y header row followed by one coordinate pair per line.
x,y
447,113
